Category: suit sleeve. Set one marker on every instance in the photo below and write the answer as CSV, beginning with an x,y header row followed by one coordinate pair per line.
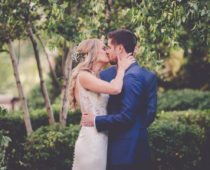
x,y
152,101
102,74
131,94
108,74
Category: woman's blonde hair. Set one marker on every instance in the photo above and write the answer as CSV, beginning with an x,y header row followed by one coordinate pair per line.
x,y
89,48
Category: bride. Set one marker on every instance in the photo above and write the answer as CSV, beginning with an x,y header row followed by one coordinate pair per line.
x,y
92,93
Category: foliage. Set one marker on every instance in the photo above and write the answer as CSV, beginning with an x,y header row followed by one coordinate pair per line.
x,y
163,25
160,25
179,140
176,146
35,98
5,71
15,127
183,99
13,123
50,148
12,20
39,117
4,142
3,111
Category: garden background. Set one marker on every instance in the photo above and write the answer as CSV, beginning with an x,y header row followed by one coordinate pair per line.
x,y
37,38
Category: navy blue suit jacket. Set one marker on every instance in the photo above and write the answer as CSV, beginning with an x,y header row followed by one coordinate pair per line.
x,y
129,115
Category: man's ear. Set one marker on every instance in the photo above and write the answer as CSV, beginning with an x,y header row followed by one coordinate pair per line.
x,y
117,49
121,48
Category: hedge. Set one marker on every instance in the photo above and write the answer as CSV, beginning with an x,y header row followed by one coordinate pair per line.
x,y
179,140
39,117
50,148
183,99
4,142
13,123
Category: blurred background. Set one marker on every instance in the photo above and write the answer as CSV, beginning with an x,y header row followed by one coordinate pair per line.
x,y
173,39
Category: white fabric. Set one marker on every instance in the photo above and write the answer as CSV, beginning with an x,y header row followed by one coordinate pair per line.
x,y
91,146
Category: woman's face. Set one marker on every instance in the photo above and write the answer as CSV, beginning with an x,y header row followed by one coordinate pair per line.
x,y
102,54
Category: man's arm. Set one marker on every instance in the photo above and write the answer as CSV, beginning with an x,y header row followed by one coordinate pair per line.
x,y
108,74
152,101
88,119
132,91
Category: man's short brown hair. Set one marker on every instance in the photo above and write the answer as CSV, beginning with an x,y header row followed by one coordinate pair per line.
x,y
124,37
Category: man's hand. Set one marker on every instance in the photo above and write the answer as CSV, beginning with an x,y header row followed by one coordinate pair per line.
x,y
88,119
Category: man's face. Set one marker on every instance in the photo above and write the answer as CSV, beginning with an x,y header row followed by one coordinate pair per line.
x,y
112,53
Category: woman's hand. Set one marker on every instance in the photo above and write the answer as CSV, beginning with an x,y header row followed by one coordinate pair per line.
x,y
125,61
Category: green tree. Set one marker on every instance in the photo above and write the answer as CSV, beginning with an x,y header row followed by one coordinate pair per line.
x,y
11,28
162,25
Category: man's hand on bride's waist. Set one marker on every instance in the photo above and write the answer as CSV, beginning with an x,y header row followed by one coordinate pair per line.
x,y
88,119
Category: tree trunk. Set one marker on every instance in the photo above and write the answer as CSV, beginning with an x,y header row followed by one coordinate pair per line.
x,y
42,83
63,57
65,101
50,66
20,89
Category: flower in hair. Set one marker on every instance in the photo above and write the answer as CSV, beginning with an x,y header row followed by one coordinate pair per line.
x,y
76,55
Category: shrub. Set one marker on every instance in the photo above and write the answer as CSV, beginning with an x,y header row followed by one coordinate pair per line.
x,y
50,148
179,140
39,116
4,142
13,123
3,111
35,98
183,100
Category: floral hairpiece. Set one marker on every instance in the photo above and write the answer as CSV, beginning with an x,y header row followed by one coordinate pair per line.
x,y
75,55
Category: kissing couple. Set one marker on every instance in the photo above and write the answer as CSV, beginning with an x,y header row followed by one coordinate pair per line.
x,y
117,105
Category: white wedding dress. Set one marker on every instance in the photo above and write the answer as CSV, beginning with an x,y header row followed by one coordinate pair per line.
x,y
91,146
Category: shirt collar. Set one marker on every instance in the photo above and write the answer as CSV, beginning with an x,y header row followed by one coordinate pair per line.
x,y
133,64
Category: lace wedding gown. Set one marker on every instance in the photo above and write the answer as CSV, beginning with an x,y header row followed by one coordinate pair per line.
x,y
91,146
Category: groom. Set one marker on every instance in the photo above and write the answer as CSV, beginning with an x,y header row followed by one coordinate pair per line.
x,y
130,112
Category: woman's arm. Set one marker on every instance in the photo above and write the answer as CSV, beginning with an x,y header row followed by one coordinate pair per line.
x,y
90,82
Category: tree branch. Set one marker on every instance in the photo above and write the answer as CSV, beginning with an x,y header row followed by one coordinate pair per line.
x,y
55,78
13,28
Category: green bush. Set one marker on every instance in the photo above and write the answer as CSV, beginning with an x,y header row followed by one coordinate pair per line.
x,y
180,140
4,142
35,98
39,116
13,123
3,111
50,148
183,99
